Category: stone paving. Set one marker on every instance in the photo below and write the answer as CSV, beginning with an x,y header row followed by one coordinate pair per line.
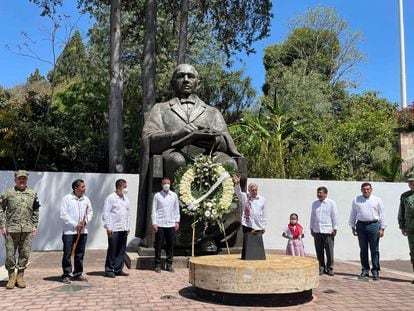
x,y
147,290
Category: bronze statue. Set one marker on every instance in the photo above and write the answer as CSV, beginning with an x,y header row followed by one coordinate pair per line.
x,y
178,130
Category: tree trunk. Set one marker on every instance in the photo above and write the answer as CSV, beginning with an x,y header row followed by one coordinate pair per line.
x,y
115,127
148,59
182,43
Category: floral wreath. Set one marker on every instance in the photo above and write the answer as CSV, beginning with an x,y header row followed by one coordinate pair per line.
x,y
206,192
198,180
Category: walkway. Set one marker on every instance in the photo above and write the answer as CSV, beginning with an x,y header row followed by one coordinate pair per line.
x,y
147,290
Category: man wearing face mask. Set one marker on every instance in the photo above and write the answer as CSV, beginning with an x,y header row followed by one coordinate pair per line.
x,y
165,219
116,218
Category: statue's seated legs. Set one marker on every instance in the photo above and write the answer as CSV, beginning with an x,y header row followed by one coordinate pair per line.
x,y
165,165
172,161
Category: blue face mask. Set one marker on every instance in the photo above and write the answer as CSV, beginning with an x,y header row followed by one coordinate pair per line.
x,y
166,187
125,190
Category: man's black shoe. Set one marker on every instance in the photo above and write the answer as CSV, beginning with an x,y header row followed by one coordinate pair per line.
x,y
364,275
170,269
157,269
330,273
321,271
66,280
375,277
109,274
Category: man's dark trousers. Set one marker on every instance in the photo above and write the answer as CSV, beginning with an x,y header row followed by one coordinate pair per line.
x,y
368,237
169,235
324,242
116,251
68,242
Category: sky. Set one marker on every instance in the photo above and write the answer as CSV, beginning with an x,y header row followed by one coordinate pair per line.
x,y
377,20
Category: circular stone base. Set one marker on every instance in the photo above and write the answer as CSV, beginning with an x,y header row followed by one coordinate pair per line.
x,y
278,278
255,300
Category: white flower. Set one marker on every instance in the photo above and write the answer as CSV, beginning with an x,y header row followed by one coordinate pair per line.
x,y
207,213
214,212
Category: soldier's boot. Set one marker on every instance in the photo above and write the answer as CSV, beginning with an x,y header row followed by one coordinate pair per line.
x,y
19,279
12,280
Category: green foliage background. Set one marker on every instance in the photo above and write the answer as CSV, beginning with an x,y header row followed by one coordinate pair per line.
x,y
309,123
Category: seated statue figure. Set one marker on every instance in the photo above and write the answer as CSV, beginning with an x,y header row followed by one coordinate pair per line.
x,y
178,130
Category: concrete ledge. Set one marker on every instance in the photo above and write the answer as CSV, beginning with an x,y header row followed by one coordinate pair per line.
x,y
136,261
278,274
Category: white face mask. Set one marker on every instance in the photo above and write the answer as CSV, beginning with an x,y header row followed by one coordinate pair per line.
x,y
125,190
166,187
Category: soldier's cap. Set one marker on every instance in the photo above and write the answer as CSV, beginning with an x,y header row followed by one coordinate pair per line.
x,y
21,173
410,177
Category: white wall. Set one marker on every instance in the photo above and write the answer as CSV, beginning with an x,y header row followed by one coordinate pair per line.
x,y
287,196
52,187
283,198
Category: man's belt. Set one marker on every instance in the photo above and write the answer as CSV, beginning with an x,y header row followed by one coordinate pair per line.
x,y
368,222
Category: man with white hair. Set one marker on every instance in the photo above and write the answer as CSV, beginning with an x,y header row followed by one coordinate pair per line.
x,y
254,218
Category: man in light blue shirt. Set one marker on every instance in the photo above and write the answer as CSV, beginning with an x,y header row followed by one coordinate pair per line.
x,y
367,222
165,219
323,227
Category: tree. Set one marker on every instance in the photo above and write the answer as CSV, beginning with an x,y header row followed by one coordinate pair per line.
x,y
148,58
72,62
115,124
182,41
330,28
25,127
390,169
235,24
48,6
268,134
364,133
35,76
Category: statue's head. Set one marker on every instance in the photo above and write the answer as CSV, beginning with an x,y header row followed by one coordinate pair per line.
x,y
184,80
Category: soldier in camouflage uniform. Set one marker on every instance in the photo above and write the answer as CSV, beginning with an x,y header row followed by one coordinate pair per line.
x,y
406,217
19,215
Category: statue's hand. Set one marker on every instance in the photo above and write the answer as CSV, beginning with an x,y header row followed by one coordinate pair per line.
x,y
184,131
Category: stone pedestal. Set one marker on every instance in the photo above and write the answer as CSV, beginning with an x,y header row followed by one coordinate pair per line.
x,y
278,280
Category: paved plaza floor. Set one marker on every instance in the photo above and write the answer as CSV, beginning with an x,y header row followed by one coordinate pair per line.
x,y
147,290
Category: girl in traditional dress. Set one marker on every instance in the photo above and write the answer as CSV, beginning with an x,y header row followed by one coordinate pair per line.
x,y
294,233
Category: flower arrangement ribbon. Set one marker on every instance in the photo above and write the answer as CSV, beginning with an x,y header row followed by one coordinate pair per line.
x,y
205,195
200,199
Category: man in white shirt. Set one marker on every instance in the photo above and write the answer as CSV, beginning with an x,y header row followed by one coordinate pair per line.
x,y
165,219
323,227
116,218
254,218
75,212
367,222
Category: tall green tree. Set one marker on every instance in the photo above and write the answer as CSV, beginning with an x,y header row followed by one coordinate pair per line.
x,y
364,134
72,63
115,115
